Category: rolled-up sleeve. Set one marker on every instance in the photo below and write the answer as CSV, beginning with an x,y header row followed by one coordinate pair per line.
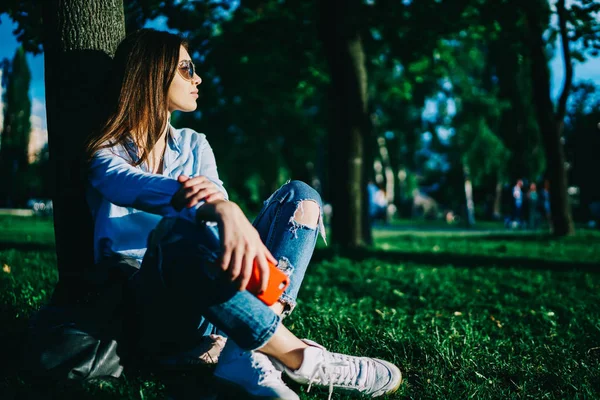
x,y
126,186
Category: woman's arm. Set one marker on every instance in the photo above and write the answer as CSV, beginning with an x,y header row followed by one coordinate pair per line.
x,y
205,185
241,243
126,186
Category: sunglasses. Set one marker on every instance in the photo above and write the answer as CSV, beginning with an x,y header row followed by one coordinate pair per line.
x,y
187,69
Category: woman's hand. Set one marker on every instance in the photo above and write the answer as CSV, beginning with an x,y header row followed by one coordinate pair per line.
x,y
193,190
241,246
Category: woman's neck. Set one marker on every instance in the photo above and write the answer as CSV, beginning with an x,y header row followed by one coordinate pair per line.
x,y
155,157
142,138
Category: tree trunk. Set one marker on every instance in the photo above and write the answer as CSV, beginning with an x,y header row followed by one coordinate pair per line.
x,y
470,204
390,181
551,124
80,37
497,209
344,50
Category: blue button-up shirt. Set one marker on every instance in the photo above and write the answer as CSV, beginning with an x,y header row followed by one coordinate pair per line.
x,y
127,202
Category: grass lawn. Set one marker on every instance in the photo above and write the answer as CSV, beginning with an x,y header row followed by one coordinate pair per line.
x,y
502,315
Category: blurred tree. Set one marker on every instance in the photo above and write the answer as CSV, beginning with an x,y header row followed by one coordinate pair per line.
x,y
483,155
80,37
409,69
340,31
577,24
15,131
582,141
266,78
260,102
509,61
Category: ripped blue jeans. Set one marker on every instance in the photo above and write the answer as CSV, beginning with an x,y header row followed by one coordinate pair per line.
x,y
179,294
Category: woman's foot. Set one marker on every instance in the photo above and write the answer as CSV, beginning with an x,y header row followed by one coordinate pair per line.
x,y
253,372
361,375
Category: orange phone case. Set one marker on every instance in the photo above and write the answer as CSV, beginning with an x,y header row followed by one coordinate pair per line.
x,y
278,282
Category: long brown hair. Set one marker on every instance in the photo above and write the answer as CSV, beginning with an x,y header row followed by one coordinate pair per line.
x,y
143,68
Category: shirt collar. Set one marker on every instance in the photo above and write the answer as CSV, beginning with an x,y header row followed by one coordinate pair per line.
x,y
173,141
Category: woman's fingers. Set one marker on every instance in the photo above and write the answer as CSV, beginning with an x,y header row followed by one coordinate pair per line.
x,y
243,250
202,191
246,272
195,181
226,258
201,195
214,197
192,190
263,272
269,256
235,266
196,189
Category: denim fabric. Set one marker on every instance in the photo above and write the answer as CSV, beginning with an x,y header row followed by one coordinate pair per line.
x,y
180,293
128,201
290,242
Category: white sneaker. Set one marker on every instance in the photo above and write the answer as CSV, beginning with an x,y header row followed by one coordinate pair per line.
x,y
253,372
364,375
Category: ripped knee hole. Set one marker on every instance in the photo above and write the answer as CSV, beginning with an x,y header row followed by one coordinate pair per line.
x,y
307,213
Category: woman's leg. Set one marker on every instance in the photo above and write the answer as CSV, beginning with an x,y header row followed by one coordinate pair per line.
x,y
289,224
179,289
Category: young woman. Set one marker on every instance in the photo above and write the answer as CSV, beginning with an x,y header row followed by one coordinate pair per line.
x,y
157,199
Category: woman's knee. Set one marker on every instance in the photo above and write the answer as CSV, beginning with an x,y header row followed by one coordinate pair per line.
x,y
302,192
308,204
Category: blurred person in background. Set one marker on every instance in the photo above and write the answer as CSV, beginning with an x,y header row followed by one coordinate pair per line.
x,y
533,206
517,196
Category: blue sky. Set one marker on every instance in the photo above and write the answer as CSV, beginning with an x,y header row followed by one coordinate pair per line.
x,y
8,45
588,71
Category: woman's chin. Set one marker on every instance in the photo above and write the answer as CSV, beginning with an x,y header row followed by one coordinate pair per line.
x,y
187,108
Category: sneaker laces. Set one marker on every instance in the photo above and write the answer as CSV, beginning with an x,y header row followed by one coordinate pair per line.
x,y
340,370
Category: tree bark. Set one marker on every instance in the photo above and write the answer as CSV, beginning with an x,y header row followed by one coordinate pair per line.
x,y
345,54
80,38
551,123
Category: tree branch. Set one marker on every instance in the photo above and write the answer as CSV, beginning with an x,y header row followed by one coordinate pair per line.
x,y
562,23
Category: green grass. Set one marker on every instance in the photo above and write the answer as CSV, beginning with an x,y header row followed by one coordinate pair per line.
x,y
26,230
481,316
495,245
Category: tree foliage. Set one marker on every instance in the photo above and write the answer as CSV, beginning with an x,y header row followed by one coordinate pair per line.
x,y
264,103
15,131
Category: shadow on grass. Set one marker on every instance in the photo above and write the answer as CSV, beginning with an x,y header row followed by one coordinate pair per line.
x,y
454,259
139,381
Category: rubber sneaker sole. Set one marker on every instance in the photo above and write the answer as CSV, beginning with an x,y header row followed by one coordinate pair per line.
x,y
396,374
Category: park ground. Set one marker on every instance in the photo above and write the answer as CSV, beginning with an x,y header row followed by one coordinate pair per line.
x,y
485,313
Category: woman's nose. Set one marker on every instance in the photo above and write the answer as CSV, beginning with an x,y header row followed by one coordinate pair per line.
x,y
197,80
